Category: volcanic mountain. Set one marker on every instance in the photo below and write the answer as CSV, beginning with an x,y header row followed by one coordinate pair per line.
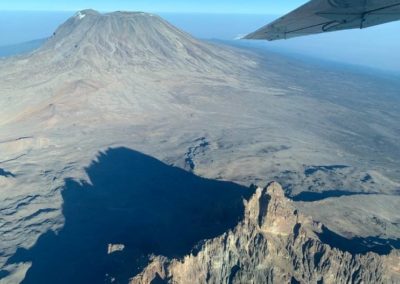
x,y
136,39
93,51
133,39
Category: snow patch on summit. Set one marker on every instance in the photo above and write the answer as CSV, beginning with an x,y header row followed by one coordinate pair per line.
x,y
80,15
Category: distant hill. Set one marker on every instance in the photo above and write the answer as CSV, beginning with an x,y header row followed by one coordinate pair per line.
x,y
21,48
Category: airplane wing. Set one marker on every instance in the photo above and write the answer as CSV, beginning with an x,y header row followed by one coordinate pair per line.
x,y
318,16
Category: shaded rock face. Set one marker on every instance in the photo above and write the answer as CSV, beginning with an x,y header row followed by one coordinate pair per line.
x,y
273,244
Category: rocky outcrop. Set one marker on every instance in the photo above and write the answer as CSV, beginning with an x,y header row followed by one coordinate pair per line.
x,y
273,244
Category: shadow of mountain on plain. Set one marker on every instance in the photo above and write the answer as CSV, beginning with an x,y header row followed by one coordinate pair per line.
x,y
137,201
359,245
6,173
310,196
3,274
313,169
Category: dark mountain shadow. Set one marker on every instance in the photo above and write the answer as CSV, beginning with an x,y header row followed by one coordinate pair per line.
x,y
3,274
137,201
6,173
358,245
313,169
310,196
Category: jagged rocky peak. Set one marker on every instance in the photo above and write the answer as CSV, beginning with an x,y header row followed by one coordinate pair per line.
x,y
272,213
273,244
136,39
258,209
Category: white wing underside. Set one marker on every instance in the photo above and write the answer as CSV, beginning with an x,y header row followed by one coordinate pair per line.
x,y
318,16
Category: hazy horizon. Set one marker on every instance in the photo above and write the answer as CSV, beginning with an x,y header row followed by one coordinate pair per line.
x,y
157,6
373,47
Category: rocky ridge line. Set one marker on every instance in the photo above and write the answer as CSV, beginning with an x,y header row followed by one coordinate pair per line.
x,y
273,244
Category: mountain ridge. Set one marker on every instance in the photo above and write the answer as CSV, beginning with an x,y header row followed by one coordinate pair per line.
x,y
273,244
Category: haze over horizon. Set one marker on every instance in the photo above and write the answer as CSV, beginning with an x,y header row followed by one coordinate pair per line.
x,y
374,47
157,6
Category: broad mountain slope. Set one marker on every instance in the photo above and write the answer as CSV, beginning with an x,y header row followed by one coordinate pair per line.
x,y
93,51
132,38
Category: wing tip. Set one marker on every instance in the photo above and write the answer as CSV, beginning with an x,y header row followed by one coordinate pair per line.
x,y
249,36
264,36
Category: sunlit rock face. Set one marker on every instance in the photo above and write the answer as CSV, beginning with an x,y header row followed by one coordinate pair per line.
x,y
273,244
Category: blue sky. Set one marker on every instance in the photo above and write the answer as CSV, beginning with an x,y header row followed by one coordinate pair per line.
x,y
200,6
